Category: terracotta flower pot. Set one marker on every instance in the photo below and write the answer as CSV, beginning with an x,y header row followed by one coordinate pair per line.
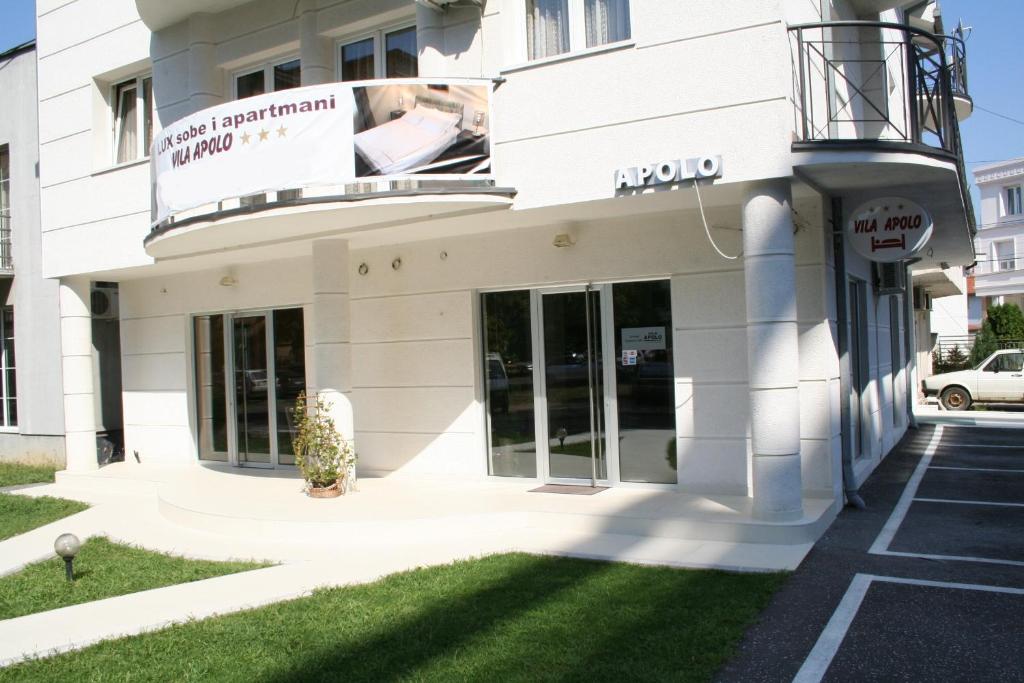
x,y
332,491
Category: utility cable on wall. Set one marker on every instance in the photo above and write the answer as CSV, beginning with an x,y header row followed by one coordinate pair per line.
x,y
707,228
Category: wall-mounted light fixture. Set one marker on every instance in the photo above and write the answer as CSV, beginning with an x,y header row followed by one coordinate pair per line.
x,y
397,263
563,240
228,281
363,268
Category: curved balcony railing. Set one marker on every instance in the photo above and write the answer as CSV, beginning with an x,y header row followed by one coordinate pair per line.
x,y
879,84
875,81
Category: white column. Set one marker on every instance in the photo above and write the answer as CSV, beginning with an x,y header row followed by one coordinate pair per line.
x,y
315,51
332,364
773,356
205,84
76,365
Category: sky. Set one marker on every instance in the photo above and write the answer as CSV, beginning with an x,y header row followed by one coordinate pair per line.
x,y
995,66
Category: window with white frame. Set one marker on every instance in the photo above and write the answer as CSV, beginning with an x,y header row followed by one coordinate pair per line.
x,y
271,77
6,262
1014,201
387,53
554,27
8,383
1003,253
133,119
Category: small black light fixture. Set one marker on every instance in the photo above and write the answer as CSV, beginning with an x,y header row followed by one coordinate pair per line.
x,y
67,546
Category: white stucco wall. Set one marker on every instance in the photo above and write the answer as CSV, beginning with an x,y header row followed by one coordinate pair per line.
x,y
37,333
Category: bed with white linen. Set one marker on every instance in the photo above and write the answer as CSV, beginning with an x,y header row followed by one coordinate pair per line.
x,y
415,139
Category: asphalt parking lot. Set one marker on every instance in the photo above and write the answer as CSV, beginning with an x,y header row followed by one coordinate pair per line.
x,y
926,584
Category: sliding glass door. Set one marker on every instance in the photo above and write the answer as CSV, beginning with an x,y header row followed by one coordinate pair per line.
x,y
250,368
580,383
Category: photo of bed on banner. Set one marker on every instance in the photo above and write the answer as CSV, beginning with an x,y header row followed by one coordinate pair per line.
x,y
322,136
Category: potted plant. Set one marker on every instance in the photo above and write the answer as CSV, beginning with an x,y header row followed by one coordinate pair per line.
x,y
325,460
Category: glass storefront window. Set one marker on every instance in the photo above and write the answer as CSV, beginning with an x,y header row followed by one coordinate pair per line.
x,y
509,384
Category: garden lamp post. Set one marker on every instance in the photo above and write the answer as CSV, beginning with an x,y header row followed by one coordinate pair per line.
x,y
67,546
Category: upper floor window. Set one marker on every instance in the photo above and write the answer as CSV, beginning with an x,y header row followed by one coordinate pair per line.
x,y
5,208
268,78
554,27
1014,201
1004,255
133,119
381,54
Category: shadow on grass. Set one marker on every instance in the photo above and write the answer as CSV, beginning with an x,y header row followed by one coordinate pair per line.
x,y
542,618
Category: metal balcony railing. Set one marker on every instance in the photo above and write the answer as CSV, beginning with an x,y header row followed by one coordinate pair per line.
x,y
882,84
6,253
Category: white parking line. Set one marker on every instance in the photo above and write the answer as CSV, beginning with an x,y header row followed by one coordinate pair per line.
x,y
892,525
818,661
977,469
955,558
968,502
980,445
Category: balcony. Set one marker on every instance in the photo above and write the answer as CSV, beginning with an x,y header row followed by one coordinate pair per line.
x,y
877,107
321,160
6,251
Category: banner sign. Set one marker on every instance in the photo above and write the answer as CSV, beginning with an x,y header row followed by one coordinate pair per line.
x,y
889,229
323,135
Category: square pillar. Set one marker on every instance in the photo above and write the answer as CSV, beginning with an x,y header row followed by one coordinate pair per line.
x,y
773,355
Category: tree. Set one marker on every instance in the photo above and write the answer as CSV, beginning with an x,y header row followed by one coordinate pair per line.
x,y
1007,322
985,343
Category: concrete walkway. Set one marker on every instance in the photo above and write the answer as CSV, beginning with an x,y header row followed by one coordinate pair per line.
x,y
368,539
926,584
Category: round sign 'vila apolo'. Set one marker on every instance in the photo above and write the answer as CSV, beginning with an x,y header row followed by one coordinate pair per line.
x,y
889,229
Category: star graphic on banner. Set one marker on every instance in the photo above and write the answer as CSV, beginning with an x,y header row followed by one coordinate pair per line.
x,y
281,132
264,134
246,137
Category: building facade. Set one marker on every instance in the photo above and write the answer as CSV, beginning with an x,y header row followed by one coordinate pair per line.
x,y
648,285
31,421
999,273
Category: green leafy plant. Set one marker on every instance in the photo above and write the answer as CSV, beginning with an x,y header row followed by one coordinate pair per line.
x,y
985,343
324,459
953,360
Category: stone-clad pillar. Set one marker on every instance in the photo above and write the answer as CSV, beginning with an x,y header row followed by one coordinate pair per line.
x,y
332,353
76,367
773,356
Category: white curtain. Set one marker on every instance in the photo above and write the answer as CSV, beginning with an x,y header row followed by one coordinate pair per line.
x,y
127,126
607,21
547,27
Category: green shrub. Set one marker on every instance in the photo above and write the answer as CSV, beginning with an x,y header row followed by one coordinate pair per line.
x,y
985,343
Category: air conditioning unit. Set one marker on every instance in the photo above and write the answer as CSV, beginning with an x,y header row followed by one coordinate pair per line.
x,y
104,303
922,300
890,278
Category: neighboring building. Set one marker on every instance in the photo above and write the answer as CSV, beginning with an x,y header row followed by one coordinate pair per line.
x,y
541,319
999,275
31,419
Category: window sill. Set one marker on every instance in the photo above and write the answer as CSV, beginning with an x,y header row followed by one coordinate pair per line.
x,y
123,165
569,56
9,430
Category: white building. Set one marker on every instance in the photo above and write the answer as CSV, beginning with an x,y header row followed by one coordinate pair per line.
x,y
999,275
540,320
31,420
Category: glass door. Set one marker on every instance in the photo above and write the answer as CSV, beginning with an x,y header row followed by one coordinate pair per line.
x,y
573,374
252,389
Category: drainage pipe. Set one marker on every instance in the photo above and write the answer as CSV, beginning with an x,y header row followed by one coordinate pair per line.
x,y
843,333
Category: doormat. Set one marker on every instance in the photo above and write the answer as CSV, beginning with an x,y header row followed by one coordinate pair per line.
x,y
569,490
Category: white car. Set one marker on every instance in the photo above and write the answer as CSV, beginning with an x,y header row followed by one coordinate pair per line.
x,y
997,379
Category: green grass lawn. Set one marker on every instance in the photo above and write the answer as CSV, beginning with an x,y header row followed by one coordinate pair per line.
x,y
509,617
103,569
19,514
14,474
